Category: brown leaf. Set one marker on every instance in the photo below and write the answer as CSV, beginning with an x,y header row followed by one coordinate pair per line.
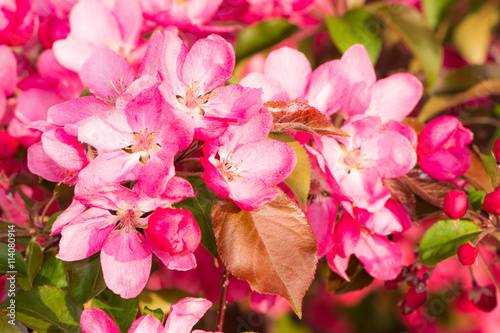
x,y
273,247
302,117
431,190
477,174
401,192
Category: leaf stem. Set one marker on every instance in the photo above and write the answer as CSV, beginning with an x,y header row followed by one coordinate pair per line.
x,y
223,299
489,270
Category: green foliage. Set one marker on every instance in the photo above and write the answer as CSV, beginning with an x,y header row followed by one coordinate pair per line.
x,y
121,311
85,279
50,222
476,199
51,273
34,259
157,313
19,264
442,240
358,26
434,10
261,36
48,309
201,206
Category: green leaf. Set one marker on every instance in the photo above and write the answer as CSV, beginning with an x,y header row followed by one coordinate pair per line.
x,y
7,324
460,86
48,309
490,165
358,26
157,313
408,23
299,180
34,259
441,240
52,272
17,263
287,324
434,10
50,222
472,36
261,36
201,207
85,279
121,311
476,199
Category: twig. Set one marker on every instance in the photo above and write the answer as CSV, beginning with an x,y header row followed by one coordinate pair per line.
x,y
489,270
223,299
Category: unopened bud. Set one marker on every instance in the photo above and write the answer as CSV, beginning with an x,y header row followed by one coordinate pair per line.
x,y
496,150
455,204
491,203
467,254
483,298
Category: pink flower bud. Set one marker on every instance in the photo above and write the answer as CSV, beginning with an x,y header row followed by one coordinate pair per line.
x,y
173,230
496,149
455,204
9,145
483,298
467,254
415,297
491,202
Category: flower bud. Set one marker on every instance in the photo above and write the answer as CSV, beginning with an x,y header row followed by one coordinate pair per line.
x,y
467,254
491,203
414,299
483,298
396,283
496,150
455,204
173,230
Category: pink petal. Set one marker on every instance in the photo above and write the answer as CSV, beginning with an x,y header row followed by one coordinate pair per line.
x,y
208,128
42,165
129,18
32,104
146,324
126,263
185,314
72,53
392,218
93,191
209,64
107,132
322,214
86,234
172,57
251,193
95,320
346,236
106,74
179,262
234,102
290,68
156,173
382,258
149,65
328,87
8,71
272,90
394,98
70,213
66,150
214,179
358,100
75,110
358,59
337,264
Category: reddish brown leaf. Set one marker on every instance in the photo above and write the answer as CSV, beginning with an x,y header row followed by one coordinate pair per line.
x,y
403,194
477,174
301,117
273,247
431,190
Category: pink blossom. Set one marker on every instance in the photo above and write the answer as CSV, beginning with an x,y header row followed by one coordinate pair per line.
x,y
182,317
243,166
360,162
99,24
123,247
193,83
442,151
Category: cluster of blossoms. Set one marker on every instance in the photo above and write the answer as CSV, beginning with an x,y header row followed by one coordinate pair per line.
x,y
130,98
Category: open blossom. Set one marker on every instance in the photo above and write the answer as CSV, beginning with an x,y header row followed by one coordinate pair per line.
x,y
96,24
193,83
111,225
17,21
360,162
243,166
182,317
442,151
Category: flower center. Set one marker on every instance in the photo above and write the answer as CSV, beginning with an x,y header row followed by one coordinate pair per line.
x,y
354,160
228,169
193,102
143,142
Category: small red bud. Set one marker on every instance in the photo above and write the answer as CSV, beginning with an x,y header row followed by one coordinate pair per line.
x,y
491,202
467,254
483,298
396,283
455,204
496,149
415,297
